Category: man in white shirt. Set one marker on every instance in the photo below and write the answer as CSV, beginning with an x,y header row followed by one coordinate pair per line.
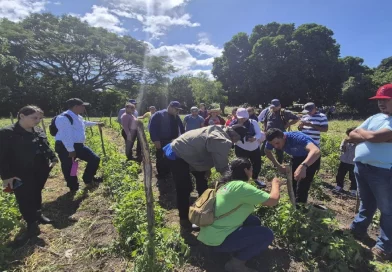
x,y
122,111
70,140
250,146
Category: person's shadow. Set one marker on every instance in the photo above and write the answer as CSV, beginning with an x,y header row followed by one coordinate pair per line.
x,y
62,209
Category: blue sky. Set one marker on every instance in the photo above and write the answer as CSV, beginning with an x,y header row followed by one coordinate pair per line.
x,y
193,32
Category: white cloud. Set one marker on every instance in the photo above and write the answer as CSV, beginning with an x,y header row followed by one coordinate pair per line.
x,y
157,25
102,17
16,10
147,6
57,3
184,61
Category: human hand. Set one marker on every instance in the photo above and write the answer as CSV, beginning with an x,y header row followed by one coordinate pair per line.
x,y
300,173
72,154
282,169
157,145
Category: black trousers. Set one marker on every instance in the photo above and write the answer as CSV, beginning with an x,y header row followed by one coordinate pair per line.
x,y
82,152
279,153
182,179
342,171
29,194
163,167
301,188
129,145
254,157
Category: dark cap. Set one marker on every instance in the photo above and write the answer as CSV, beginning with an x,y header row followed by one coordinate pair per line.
x,y
384,92
275,103
133,101
76,102
175,104
309,107
241,130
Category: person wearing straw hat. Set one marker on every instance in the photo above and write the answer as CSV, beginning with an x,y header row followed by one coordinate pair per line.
x,y
214,118
70,140
373,172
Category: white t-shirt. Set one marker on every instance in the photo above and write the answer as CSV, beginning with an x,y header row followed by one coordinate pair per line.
x,y
260,137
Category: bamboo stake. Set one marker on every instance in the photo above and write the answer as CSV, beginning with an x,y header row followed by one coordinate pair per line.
x,y
110,118
91,129
147,167
12,118
43,125
290,188
102,143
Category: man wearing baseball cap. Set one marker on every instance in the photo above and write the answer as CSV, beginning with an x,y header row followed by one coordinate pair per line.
x,y
194,120
165,126
313,122
276,117
122,110
373,172
70,140
196,152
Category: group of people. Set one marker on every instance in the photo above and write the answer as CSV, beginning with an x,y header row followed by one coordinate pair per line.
x,y
198,143
26,158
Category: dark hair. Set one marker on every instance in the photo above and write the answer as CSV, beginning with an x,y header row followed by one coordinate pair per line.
x,y
28,110
273,133
129,104
234,109
348,131
236,171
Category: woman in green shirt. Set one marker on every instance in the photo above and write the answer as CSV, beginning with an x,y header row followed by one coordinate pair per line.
x,y
239,232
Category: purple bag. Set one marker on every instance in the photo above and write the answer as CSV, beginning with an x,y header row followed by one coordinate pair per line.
x,y
74,168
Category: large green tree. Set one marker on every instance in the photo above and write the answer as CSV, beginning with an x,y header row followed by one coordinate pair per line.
x,y
279,61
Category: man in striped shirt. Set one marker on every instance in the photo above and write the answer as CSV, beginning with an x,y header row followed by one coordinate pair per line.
x,y
313,122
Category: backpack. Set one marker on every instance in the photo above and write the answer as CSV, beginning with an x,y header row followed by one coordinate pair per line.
x,y
52,127
202,212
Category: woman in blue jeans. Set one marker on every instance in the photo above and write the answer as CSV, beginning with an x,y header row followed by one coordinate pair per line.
x,y
237,231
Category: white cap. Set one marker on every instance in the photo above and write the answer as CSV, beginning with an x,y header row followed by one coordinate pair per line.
x,y
194,108
242,113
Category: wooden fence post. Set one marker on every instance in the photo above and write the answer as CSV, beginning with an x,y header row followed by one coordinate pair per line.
x,y
358,201
102,143
91,129
110,118
290,188
43,125
147,167
12,118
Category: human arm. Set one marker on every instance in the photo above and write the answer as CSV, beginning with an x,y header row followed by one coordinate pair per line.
x,y
180,125
259,136
6,173
273,200
219,150
380,136
313,155
154,130
271,157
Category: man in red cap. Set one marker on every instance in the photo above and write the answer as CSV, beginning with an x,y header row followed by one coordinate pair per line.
x,y
373,172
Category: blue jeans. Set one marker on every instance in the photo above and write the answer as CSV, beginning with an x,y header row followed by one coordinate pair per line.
x,y
375,191
82,152
248,240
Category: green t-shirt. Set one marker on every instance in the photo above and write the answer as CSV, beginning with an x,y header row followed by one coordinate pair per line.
x,y
228,198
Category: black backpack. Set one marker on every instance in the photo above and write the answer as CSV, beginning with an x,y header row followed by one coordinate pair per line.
x,y
52,127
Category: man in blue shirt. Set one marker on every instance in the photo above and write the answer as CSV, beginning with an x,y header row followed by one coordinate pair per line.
x,y
373,172
194,120
305,158
165,126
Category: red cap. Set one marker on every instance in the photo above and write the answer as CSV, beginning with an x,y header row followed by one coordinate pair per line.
x,y
384,92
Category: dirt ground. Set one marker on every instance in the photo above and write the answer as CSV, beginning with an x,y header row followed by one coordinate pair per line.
x,y
84,236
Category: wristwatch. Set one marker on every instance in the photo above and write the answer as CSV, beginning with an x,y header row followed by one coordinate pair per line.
x,y
304,164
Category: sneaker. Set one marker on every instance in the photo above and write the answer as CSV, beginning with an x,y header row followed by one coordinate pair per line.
x,y
236,265
337,190
380,255
98,179
32,231
260,184
353,193
42,219
187,225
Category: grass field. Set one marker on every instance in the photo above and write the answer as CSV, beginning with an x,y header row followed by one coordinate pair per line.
x,y
107,218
